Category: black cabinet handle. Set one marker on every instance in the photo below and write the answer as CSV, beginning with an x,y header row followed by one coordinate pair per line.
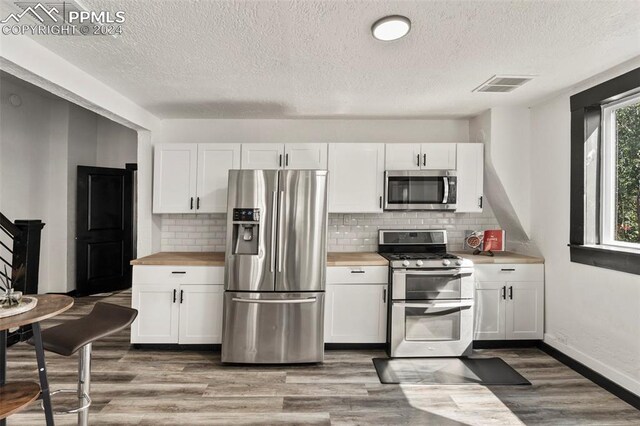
x,y
174,295
480,202
424,159
418,160
357,271
178,272
503,292
181,296
198,203
384,295
381,201
286,160
508,269
191,206
511,292
280,161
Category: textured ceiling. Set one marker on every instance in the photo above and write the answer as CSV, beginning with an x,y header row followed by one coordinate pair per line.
x,y
294,59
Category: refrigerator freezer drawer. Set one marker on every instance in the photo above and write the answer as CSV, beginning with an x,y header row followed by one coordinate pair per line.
x,y
273,328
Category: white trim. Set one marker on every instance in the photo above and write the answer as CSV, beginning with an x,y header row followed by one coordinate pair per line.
x,y
620,378
608,145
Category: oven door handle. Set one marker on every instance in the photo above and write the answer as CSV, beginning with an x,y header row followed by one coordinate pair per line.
x,y
447,273
461,305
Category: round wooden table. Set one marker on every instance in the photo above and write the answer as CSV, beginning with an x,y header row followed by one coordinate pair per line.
x,y
14,396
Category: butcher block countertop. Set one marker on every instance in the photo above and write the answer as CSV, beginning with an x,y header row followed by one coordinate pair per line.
x,y
503,257
217,259
185,258
355,259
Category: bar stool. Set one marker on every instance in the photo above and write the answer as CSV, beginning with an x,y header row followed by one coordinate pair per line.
x,y
78,335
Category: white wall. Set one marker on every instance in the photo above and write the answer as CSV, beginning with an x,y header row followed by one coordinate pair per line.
x,y
82,151
509,151
25,173
591,314
283,131
507,185
116,145
41,144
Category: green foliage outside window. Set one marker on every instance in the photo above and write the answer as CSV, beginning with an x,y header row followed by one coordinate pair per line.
x,y
628,174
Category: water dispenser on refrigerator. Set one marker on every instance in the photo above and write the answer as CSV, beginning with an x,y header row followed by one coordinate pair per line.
x,y
246,231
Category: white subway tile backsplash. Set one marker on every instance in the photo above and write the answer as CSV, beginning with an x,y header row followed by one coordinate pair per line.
x,y
346,232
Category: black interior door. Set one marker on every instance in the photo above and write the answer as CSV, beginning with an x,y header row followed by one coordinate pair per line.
x,y
104,234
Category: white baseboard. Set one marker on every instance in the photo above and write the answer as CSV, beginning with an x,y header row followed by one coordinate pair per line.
x,y
616,376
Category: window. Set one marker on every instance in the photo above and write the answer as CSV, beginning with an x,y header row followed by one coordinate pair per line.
x,y
605,175
620,191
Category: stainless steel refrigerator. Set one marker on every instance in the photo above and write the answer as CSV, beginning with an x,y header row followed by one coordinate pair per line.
x,y
275,267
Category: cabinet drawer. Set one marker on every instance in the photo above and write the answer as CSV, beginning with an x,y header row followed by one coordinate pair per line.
x,y
509,272
172,275
357,275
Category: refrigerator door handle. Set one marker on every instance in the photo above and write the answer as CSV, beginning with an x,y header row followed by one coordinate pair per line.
x,y
274,225
275,301
280,231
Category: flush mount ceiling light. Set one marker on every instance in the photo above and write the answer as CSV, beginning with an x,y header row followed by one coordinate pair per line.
x,y
391,27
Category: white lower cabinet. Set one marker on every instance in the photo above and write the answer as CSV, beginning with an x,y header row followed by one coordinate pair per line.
x,y
158,314
356,305
511,305
201,313
185,304
525,311
173,310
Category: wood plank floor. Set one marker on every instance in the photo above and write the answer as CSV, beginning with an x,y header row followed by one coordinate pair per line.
x,y
169,387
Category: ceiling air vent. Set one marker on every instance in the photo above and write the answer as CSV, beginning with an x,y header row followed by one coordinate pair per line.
x,y
503,83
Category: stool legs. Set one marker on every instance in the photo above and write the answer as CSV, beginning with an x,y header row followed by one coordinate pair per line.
x,y
84,381
3,364
42,372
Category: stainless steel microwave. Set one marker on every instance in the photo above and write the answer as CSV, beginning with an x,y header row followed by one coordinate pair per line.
x,y
420,190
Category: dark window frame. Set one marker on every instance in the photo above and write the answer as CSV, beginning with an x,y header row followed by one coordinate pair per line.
x,y
586,115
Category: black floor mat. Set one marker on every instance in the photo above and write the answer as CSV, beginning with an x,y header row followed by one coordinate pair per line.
x,y
447,371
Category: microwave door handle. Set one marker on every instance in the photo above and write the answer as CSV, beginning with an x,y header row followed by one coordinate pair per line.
x,y
446,190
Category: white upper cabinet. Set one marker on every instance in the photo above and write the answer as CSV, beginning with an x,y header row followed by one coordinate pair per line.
x,y
214,163
426,156
438,156
470,177
174,178
402,156
356,177
289,156
262,156
310,156
192,178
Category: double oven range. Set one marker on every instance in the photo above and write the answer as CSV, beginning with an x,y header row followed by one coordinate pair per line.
x,y
431,309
